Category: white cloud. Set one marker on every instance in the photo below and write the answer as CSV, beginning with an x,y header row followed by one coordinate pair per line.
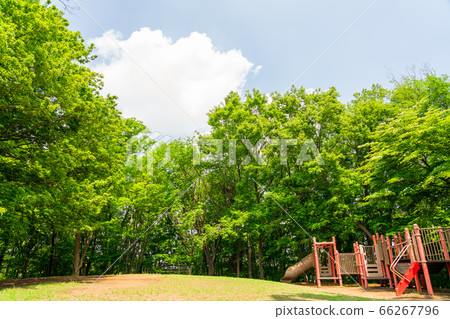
x,y
191,70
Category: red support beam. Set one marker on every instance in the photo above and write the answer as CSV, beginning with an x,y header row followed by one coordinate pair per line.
x,y
363,266
326,243
400,240
423,260
391,258
412,258
338,263
332,259
358,264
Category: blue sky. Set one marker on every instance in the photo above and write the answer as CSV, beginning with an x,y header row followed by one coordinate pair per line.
x,y
282,37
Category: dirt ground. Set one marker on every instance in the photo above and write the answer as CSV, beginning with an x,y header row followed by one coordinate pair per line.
x,y
109,283
375,291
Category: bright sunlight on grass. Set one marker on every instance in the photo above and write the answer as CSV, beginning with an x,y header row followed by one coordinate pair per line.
x,y
170,287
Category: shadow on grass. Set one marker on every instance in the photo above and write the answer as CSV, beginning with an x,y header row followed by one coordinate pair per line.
x,y
313,296
24,283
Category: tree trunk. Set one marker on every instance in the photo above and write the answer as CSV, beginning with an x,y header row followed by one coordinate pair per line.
x,y
2,255
91,256
78,260
249,247
138,264
52,254
238,257
282,266
133,257
8,265
125,263
76,256
365,230
261,269
210,258
3,251
87,267
26,263
210,267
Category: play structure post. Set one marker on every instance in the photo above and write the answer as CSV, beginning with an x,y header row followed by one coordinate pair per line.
x,y
385,266
375,240
396,244
363,266
332,258
358,264
380,252
423,260
316,262
338,262
444,249
400,240
391,258
412,258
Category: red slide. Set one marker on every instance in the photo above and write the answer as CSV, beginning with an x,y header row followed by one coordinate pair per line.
x,y
407,278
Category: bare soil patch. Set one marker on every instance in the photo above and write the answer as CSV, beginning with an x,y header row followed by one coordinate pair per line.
x,y
375,291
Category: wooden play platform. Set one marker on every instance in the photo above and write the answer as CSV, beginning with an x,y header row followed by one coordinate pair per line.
x,y
400,260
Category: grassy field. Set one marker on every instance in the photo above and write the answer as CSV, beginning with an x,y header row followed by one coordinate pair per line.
x,y
167,287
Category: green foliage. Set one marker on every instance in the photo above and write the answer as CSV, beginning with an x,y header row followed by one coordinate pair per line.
x,y
408,165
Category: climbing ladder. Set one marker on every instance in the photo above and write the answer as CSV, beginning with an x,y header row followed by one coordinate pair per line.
x,y
326,261
373,261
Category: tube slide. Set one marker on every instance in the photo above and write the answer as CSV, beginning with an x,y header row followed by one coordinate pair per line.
x,y
299,268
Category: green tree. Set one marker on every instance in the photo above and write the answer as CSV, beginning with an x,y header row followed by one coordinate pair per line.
x,y
408,166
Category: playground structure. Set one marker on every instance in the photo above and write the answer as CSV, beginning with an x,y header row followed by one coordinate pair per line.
x,y
398,261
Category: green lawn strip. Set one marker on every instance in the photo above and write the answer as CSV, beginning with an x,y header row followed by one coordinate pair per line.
x,y
180,287
41,292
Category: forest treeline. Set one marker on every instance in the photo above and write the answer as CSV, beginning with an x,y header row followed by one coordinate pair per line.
x,y
74,196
